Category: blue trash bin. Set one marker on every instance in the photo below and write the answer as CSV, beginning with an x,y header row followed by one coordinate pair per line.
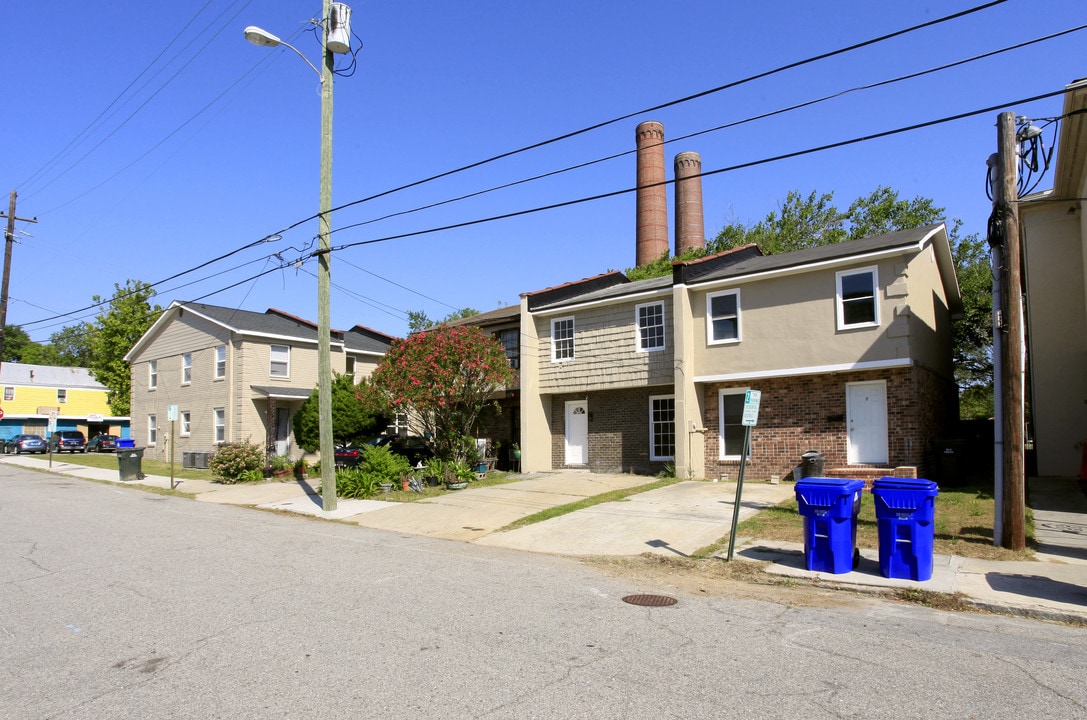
x,y
905,510
829,507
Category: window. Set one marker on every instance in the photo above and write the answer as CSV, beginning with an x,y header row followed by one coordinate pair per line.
x,y
219,423
62,395
152,374
220,362
723,317
857,306
9,394
731,423
186,368
511,343
350,368
399,425
562,339
186,423
662,427
152,430
281,361
650,320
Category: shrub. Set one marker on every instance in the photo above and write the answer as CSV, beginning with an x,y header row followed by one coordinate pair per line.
x,y
237,461
357,483
384,464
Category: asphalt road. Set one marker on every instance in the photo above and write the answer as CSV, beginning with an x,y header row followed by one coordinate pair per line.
x,y
116,603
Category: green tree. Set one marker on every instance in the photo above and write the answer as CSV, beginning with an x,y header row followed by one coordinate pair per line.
x,y
18,347
116,329
352,421
73,345
444,379
418,320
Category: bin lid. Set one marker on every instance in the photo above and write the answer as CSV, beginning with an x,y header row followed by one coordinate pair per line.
x,y
845,484
896,483
812,454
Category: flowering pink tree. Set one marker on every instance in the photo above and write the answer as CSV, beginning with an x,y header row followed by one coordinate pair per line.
x,y
443,378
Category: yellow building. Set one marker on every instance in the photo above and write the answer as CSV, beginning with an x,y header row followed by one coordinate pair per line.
x,y
32,393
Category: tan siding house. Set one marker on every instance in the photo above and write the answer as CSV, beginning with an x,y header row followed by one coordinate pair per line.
x,y
232,375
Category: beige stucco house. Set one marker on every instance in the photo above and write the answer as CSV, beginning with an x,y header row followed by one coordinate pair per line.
x,y
1054,244
850,345
232,375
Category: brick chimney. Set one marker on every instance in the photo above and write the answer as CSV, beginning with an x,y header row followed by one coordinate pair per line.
x,y
690,225
652,202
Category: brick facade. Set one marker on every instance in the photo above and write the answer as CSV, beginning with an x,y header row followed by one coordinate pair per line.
x,y
798,414
618,430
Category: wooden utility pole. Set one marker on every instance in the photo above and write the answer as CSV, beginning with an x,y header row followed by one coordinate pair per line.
x,y
9,238
1007,204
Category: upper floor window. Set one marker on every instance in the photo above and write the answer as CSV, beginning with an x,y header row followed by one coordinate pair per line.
x,y
9,393
152,374
186,368
62,395
857,306
220,362
650,319
723,317
511,343
662,427
562,339
281,361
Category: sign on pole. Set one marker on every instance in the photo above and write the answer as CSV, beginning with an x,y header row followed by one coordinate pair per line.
x,y
751,408
171,412
52,425
748,420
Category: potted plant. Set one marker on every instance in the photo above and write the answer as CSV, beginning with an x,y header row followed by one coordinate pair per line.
x,y
280,466
456,475
515,451
300,468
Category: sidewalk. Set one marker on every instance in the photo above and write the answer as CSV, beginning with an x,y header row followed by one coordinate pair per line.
x,y
678,520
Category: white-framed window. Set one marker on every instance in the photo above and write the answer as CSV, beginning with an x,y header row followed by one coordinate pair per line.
x,y
662,427
349,367
399,425
723,317
9,393
62,395
220,362
562,339
858,304
152,374
219,424
152,430
186,368
186,423
650,321
730,423
280,365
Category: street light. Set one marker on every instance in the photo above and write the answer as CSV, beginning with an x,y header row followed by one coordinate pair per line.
x,y
335,38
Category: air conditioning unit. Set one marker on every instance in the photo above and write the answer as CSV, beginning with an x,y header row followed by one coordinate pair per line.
x,y
195,459
187,459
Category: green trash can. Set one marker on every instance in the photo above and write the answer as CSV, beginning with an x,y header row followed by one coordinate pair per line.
x,y
129,464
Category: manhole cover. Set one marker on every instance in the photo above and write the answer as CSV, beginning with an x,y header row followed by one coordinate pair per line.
x,y
650,600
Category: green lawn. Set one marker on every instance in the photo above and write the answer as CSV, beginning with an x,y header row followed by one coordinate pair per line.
x,y
149,466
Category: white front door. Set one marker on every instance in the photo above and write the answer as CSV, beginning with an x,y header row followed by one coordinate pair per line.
x,y
283,431
577,433
866,422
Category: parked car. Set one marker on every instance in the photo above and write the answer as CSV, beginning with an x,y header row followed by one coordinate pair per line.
x,y
102,443
25,444
70,440
413,448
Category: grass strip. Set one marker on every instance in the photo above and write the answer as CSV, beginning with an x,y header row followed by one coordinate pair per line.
x,y
612,496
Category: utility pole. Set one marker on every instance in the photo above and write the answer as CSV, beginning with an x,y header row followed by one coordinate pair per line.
x,y
1011,362
9,240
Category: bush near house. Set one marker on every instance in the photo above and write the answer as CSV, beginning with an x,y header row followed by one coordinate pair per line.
x,y
376,466
237,462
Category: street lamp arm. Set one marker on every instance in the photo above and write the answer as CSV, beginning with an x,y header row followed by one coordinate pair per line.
x,y
263,38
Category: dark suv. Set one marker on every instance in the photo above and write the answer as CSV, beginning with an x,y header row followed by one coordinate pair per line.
x,y
70,440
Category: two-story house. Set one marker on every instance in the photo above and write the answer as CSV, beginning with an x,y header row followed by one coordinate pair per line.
x,y
32,393
848,343
221,374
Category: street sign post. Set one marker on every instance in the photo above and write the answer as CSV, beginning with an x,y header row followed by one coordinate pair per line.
x,y
750,418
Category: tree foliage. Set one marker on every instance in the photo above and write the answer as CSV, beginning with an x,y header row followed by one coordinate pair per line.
x,y
418,320
443,378
116,329
352,421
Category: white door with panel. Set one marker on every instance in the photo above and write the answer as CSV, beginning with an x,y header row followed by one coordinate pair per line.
x,y
577,432
866,420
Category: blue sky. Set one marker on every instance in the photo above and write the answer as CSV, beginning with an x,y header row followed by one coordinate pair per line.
x,y
149,138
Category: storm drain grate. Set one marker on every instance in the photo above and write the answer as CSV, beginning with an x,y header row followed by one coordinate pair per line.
x,y
650,600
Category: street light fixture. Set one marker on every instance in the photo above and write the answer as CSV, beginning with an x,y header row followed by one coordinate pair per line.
x,y
335,38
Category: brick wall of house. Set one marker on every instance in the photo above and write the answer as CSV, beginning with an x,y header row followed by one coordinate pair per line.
x,y
618,430
798,414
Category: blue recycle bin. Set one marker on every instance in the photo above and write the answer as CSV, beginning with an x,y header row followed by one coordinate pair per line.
x,y
905,510
829,507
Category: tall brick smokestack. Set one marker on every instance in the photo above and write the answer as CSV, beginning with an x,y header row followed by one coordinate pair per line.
x,y
652,202
690,224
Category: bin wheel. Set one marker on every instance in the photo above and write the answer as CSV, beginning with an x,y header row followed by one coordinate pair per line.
x,y
140,476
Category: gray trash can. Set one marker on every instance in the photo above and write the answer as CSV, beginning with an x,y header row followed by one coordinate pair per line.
x,y
811,464
130,464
